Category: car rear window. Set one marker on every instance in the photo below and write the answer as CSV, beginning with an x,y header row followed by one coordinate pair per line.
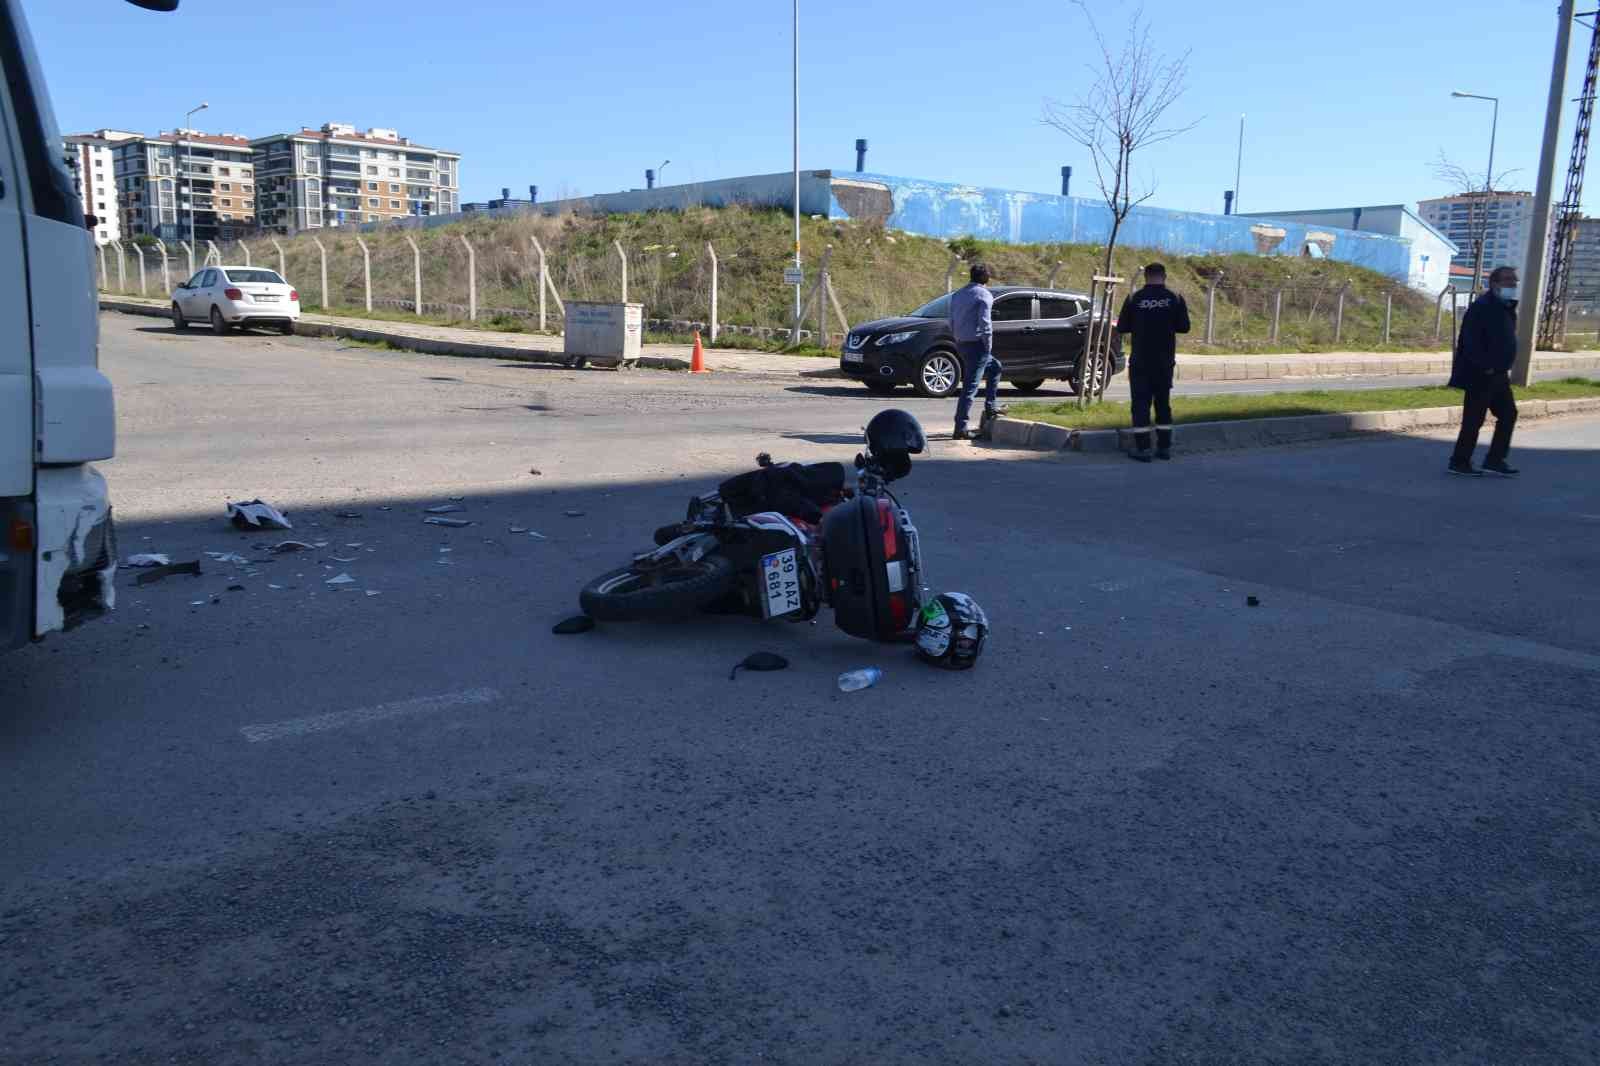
x,y
254,277
939,308
1058,307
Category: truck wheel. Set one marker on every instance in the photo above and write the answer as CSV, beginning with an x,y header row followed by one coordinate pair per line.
x,y
178,321
938,375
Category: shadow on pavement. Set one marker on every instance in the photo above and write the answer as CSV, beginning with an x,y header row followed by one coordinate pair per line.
x,y
1151,809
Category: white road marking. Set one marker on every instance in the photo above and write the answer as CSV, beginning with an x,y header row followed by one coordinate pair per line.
x,y
321,723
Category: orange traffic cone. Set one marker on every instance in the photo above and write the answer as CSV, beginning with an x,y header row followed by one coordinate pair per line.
x,y
697,361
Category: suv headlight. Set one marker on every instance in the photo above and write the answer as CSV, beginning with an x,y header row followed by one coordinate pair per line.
x,y
896,338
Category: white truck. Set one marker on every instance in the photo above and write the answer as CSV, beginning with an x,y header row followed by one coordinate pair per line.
x,y
58,551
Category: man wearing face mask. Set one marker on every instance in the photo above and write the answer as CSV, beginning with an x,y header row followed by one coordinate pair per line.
x,y
1482,365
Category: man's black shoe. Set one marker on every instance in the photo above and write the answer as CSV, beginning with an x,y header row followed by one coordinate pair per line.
x,y
1464,469
1140,455
961,434
1164,453
1501,467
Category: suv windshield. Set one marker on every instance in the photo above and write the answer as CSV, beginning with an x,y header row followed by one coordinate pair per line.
x,y
254,277
939,308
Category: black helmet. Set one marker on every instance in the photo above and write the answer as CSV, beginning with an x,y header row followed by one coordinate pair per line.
x,y
951,631
893,437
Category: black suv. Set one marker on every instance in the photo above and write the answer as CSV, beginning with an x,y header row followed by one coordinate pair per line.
x,y
1038,334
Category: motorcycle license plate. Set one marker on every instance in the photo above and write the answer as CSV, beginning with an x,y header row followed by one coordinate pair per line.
x,y
780,583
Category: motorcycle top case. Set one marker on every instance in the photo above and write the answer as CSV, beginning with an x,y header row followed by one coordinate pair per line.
x,y
871,573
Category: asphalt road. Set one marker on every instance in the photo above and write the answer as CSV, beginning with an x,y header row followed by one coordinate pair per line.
x,y
296,824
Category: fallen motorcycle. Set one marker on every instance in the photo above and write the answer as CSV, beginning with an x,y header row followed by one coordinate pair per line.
x,y
785,540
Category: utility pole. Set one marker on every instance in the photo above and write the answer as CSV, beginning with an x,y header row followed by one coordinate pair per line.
x,y
1532,278
184,165
1238,166
795,124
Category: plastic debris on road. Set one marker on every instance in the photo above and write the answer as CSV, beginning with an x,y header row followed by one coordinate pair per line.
x,y
340,559
342,579
537,536
156,573
444,508
1252,601
856,680
761,662
289,546
578,623
373,592
449,523
228,557
148,559
573,514
253,514
518,529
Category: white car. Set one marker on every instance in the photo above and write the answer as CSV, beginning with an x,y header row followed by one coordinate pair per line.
x,y
229,296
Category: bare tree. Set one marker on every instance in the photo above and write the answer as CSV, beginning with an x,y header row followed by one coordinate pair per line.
x,y
1123,111
1479,191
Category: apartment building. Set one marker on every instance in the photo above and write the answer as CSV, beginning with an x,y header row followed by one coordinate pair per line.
x,y
337,176
1583,284
93,169
220,168
1507,218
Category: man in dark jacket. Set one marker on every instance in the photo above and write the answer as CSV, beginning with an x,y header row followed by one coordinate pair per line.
x,y
1482,367
1155,315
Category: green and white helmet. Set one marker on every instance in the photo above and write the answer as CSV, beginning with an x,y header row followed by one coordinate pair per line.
x,y
951,631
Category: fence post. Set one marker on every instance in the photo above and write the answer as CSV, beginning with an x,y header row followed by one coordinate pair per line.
x,y
366,272
105,282
1211,310
245,248
949,275
166,282
1438,316
822,295
1388,315
122,267
416,272
323,255
1051,282
1277,313
283,267
1338,314
212,253
188,250
138,249
472,281
624,257
539,251
712,252
1455,310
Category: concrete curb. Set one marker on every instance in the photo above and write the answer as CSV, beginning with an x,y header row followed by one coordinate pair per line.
x,y
426,345
1263,432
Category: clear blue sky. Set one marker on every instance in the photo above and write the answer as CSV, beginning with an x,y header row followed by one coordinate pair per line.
x,y
1347,104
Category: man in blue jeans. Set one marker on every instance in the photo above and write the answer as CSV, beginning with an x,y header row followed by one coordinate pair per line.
x,y
973,326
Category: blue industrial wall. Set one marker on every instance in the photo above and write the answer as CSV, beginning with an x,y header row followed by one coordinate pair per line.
x,y
942,209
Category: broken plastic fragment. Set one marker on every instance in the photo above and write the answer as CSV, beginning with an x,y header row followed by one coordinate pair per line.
x,y
158,572
573,514
518,529
229,557
578,623
761,661
444,508
342,579
537,536
254,514
290,546
374,592
147,559
452,523
338,559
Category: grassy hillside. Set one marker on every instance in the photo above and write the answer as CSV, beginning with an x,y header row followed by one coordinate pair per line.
x,y
875,274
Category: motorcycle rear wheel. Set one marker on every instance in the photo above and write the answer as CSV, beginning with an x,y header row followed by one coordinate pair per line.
x,y
628,595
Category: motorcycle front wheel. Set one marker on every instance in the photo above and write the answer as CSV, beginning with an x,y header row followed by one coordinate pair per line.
x,y
628,595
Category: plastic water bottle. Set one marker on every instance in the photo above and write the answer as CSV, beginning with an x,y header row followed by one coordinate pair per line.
x,y
856,680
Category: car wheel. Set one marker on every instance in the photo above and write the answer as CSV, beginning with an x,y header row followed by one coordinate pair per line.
x,y
287,329
939,374
218,326
879,386
178,321
1030,385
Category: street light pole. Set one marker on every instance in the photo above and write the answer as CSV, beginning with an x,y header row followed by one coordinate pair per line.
x,y
795,127
661,170
184,169
1488,185
1532,280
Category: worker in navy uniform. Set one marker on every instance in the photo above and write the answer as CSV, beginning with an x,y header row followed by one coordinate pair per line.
x,y
1154,315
